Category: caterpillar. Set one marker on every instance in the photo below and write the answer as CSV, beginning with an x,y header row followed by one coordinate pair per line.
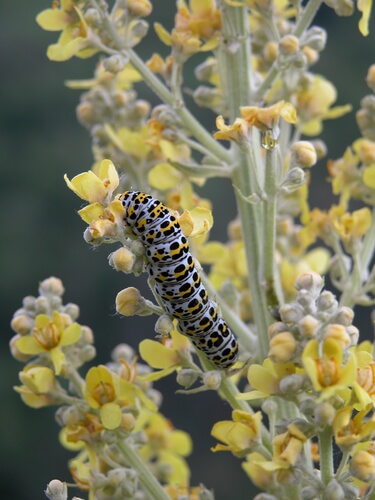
x,y
176,280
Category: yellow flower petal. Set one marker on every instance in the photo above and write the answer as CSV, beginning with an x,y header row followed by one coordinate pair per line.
x,y
87,186
71,334
164,176
110,415
157,355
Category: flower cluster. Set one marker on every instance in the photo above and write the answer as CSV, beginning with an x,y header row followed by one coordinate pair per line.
x,y
110,415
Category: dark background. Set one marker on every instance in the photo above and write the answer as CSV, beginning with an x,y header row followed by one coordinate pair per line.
x,y
40,140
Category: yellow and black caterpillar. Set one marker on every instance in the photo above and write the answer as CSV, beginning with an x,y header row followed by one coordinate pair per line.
x,y
177,282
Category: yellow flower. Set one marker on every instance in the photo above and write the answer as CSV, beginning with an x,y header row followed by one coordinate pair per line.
x,y
287,447
324,365
50,336
268,118
103,391
266,379
236,132
238,435
364,387
253,468
38,382
168,446
353,225
314,105
74,40
168,357
350,430
95,188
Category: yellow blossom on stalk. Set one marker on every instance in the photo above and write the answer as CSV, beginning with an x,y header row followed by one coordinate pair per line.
x,y
324,364
38,382
266,379
316,260
267,118
74,435
287,448
314,105
364,386
168,446
95,188
350,430
239,434
133,142
236,132
258,475
49,336
74,39
346,175
353,225
168,356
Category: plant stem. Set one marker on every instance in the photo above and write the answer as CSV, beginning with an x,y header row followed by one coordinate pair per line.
x,y
308,15
235,67
148,480
326,458
269,226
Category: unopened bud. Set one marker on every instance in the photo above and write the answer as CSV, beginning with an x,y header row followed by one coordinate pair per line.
x,y
71,310
290,313
114,64
164,325
320,148
291,384
282,347
122,351
334,491
130,302
276,328
92,17
186,377
29,302
315,38
344,316
22,324
324,413
270,51
326,300
304,154
127,421
212,379
289,44
353,333
308,326
51,286
122,260
339,334
362,466
56,490
41,305
310,281
139,8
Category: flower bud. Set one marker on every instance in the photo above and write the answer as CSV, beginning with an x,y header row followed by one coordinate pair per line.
x,y
307,406
129,302
92,17
282,347
276,328
29,303
269,406
41,305
22,324
291,384
205,71
164,325
344,316
71,310
315,38
324,413
339,334
310,281
122,260
334,491
122,351
289,44
362,466
308,326
127,422
353,333
212,380
320,148
370,79
51,286
114,64
309,493
139,8
186,377
56,490
86,114
290,313
326,300
270,51
303,154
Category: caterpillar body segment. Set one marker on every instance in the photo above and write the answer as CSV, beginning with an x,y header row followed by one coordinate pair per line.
x,y
177,281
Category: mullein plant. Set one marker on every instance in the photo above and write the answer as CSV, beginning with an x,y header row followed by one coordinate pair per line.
x,y
302,392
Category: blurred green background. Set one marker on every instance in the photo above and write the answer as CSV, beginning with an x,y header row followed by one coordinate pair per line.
x,y
40,140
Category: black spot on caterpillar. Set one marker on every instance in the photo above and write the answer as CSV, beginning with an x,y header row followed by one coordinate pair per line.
x,y
177,282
